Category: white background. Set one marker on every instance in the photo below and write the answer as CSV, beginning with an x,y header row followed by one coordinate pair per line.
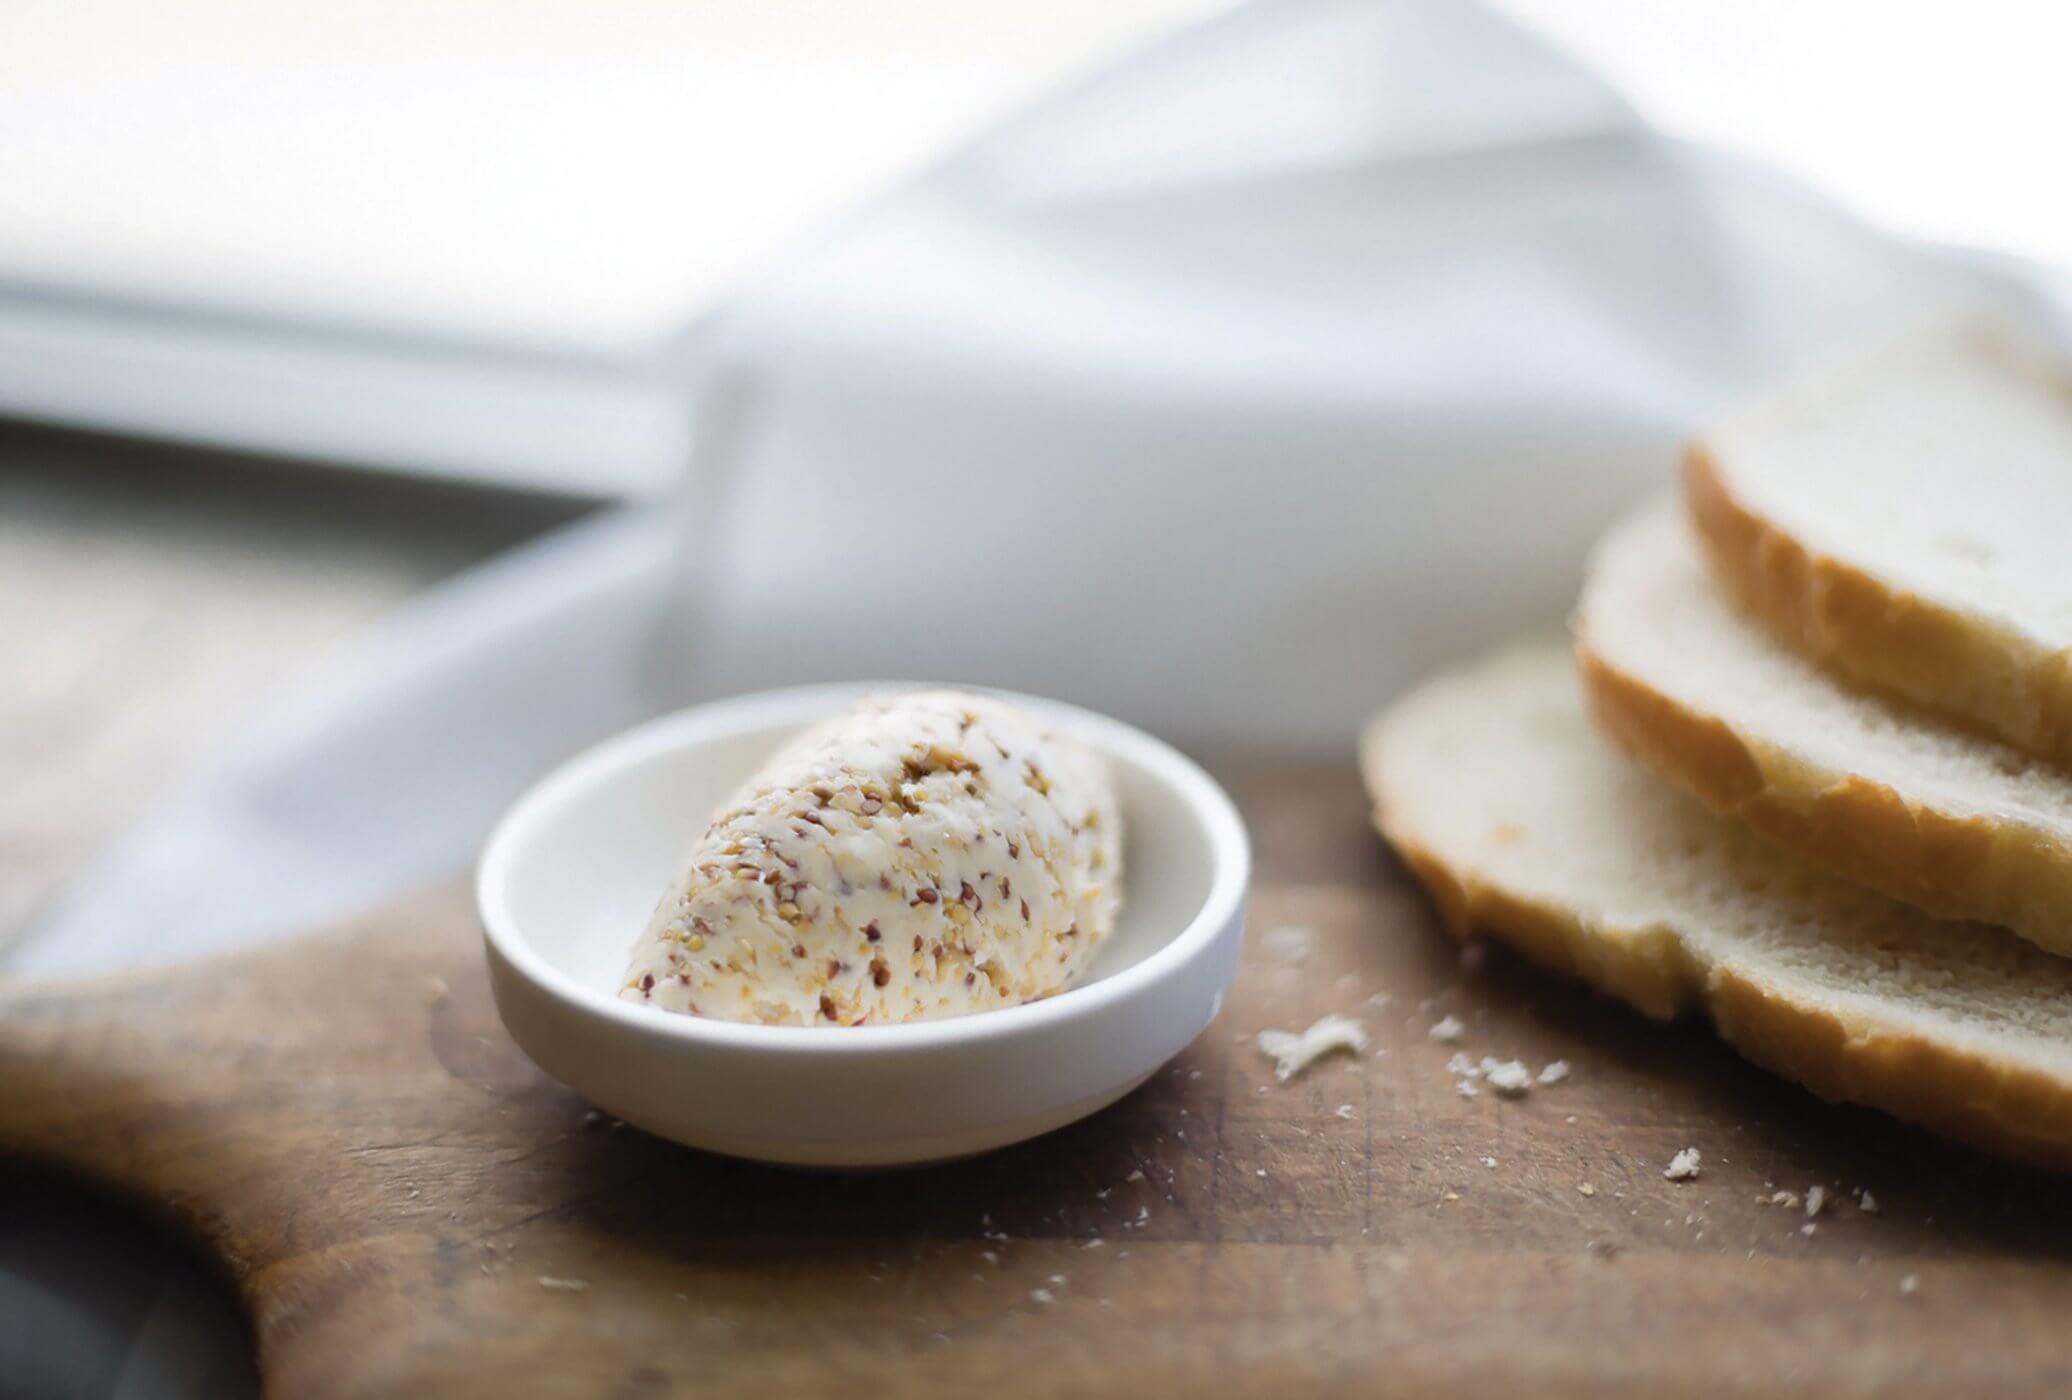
x,y
590,173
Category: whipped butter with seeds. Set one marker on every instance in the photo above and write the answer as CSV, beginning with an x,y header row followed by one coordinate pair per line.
x,y
923,855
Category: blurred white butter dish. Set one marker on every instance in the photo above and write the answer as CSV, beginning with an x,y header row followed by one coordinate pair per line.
x,y
573,870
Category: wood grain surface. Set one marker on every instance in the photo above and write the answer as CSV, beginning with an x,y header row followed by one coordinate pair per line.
x,y
409,1208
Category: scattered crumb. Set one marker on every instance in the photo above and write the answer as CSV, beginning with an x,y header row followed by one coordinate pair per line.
x,y
566,1285
1466,1089
1057,1280
1345,1110
1043,1296
1571,1118
1461,1065
1450,1196
1554,1072
436,990
1136,1174
1508,1077
1290,942
1095,1243
1910,1285
1587,1189
989,1256
1489,1162
1292,1054
1808,1228
1816,1197
1448,1031
1683,1166
1788,1199
1867,1203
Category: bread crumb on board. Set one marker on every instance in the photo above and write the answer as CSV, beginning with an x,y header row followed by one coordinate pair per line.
x,y
1289,942
1508,1077
1910,1285
1683,1166
1816,1197
565,1285
1293,1053
1448,1030
1585,1188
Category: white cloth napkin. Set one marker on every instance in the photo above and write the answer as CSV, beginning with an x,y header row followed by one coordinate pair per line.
x,y
1228,392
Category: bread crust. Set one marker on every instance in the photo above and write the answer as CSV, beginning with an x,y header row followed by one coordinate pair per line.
x,y
1968,668
1955,866
2010,1110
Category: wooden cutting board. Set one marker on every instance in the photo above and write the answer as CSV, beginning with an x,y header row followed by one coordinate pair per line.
x,y
409,1208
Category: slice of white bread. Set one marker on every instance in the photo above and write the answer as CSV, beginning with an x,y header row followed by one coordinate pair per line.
x,y
1906,519
1963,826
1525,824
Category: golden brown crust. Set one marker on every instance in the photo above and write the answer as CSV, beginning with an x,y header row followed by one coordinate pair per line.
x,y
1646,972
2010,1110
1954,866
1965,667
2006,1109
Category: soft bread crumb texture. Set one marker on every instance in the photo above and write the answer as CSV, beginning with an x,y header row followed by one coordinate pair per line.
x,y
924,855
1293,1053
1508,1077
1899,515
1524,824
1959,824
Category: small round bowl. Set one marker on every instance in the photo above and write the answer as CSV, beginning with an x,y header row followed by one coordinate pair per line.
x,y
572,872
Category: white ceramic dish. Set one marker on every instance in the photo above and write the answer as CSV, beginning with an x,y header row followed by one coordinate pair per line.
x,y
572,872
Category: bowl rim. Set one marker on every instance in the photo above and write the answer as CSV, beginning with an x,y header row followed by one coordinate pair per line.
x,y
1204,799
